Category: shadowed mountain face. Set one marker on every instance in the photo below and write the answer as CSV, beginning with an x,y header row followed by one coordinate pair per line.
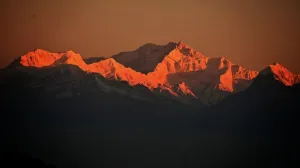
x,y
73,114
146,57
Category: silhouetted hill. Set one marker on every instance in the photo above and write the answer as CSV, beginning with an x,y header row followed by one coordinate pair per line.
x,y
19,160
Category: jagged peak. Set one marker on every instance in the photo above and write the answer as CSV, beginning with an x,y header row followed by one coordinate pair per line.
x,y
40,50
276,68
237,68
72,55
71,52
224,60
39,58
180,45
145,58
172,42
171,45
239,72
43,51
218,63
280,73
275,64
109,62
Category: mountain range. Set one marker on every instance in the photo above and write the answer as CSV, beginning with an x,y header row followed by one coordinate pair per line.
x,y
174,68
157,106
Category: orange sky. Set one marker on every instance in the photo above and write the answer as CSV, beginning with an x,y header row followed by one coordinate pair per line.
x,y
248,32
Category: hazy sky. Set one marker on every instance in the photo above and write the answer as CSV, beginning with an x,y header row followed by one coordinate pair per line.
x,y
253,33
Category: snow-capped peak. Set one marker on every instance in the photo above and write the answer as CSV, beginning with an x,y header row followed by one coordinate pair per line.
x,y
39,58
181,45
280,73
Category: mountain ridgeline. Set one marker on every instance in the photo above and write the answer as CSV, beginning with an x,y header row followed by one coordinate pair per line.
x,y
157,106
174,68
